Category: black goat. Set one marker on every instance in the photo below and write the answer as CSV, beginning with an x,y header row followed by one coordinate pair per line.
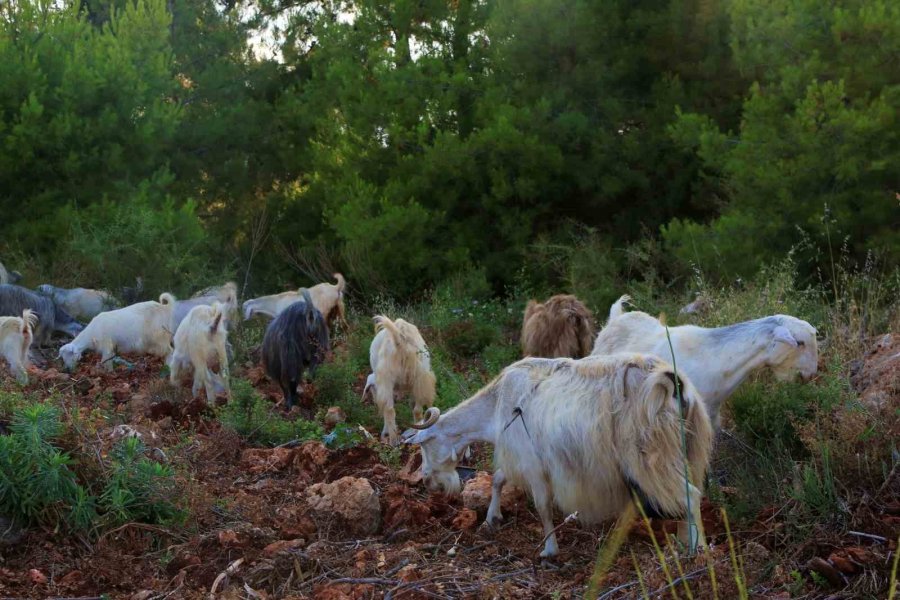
x,y
14,299
295,341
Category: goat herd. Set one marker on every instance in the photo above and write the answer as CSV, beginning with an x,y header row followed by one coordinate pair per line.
x,y
584,423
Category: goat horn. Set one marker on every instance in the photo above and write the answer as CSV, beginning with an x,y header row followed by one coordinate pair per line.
x,y
431,417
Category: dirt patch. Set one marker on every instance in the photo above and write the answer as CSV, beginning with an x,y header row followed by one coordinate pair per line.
x,y
877,376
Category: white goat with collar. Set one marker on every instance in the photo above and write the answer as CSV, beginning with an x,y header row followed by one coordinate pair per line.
x,y
591,432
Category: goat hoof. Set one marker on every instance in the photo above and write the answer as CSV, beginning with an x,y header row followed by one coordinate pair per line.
x,y
493,522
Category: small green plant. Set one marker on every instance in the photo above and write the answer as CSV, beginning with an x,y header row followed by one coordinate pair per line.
x,y
390,456
343,436
334,387
767,411
138,489
251,417
452,386
499,356
9,402
819,580
817,491
466,338
797,584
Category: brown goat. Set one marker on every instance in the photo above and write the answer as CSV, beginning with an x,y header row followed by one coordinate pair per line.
x,y
560,327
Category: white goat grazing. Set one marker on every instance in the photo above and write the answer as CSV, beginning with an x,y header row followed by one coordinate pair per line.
x,y
400,362
16,335
328,298
716,360
81,303
583,434
225,294
199,341
143,328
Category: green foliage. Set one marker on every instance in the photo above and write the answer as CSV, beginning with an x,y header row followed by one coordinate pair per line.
x,y
37,482
453,386
817,490
40,483
138,489
811,154
436,138
498,356
9,402
84,111
334,387
464,317
343,436
391,456
466,338
251,417
173,235
764,412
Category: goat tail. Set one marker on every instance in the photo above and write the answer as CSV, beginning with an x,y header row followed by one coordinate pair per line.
x,y
29,321
649,430
216,321
383,322
618,307
167,299
341,283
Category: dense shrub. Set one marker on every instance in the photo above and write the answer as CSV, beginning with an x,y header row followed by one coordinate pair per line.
x,y
334,383
764,412
172,234
37,480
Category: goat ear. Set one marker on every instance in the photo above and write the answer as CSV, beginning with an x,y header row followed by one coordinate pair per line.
x,y
782,334
413,436
632,377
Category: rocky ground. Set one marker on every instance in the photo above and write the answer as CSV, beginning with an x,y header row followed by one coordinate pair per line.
x,y
308,522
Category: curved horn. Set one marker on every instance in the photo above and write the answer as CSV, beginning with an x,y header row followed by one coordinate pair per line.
x,y
431,417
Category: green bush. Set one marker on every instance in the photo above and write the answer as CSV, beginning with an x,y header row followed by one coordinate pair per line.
x,y
334,381
138,489
453,386
467,338
764,411
172,234
251,417
499,356
39,482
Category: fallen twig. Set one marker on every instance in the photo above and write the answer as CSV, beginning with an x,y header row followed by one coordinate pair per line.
x,y
887,481
870,536
232,568
568,519
365,580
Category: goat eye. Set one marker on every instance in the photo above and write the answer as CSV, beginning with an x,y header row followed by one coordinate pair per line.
x,y
801,343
